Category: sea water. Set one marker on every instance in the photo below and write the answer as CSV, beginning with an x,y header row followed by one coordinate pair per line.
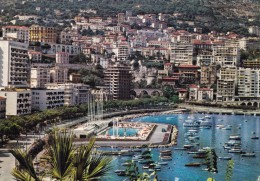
x,y
245,169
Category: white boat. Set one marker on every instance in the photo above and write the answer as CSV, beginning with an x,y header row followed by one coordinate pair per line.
x,y
234,137
248,154
166,158
225,158
162,163
235,150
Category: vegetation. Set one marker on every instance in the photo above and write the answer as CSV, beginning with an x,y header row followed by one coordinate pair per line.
x,y
65,162
229,170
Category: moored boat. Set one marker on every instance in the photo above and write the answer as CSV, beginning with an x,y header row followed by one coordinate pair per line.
x,y
166,158
225,158
248,154
195,164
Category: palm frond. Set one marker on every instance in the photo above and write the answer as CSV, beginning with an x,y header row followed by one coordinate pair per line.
x,y
25,163
22,175
61,152
98,167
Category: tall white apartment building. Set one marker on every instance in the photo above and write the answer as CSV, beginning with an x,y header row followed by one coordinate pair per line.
x,y
248,83
14,64
181,54
17,33
226,84
226,56
59,74
18,101
39,76
123,51
62,57
74,94
43,99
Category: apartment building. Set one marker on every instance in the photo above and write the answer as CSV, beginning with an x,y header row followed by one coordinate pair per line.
x,y
35,56
254,30
208,74
226,84
43,99
74,94
42,34
14,64
123,51
16,33
62,58
18,101
2,107
181,54
118,80
248,83
226,56
40,75
59,74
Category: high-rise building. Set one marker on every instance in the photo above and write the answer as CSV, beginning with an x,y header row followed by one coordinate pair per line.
x,y
123,51
16,33
42,34
121,17
226,84
40,75
118,80
181,54
226,56
14,64
248,83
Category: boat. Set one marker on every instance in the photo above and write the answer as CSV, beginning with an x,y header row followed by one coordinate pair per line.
x,y
227,127
188,146
195,164
137,150
126,164
166,158
151,170
162,163
191,123
225,158
207,116
118,171
126,153
235,150
234,137
121,173
199,156
146,167
220,126
180,148
248,154
166,151
255,137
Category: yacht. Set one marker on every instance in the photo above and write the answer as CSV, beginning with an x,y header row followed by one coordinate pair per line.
x,y
252,154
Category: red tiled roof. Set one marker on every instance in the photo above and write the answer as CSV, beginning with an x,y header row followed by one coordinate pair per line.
x,y
188,66
182,90
204,89
169,64
169,78
17,27
193,86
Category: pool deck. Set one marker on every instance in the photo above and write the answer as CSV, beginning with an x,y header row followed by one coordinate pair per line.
x,y
156,138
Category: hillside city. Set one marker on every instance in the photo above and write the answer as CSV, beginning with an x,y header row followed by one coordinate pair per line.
x,y
126,61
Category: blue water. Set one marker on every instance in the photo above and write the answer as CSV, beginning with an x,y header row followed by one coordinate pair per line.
x,y
123,131
245,169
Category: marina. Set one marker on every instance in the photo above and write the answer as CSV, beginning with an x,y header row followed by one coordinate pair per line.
x,y
180,162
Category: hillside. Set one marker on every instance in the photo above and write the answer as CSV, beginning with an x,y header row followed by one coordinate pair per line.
x,y
221,15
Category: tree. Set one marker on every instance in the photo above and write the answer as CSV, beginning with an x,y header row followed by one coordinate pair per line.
x,y
66,162
229,170
168,91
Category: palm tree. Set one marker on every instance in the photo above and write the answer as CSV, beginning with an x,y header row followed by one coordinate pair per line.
x,y
25,171
66,162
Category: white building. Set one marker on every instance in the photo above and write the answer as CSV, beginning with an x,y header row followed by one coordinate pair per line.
x,y
43,99
59,74
35,56
62,57
226,56
17,33
226,84
18,101
39,77
181,54
74,94
205,94
254,30
14,64
123,51
248,83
